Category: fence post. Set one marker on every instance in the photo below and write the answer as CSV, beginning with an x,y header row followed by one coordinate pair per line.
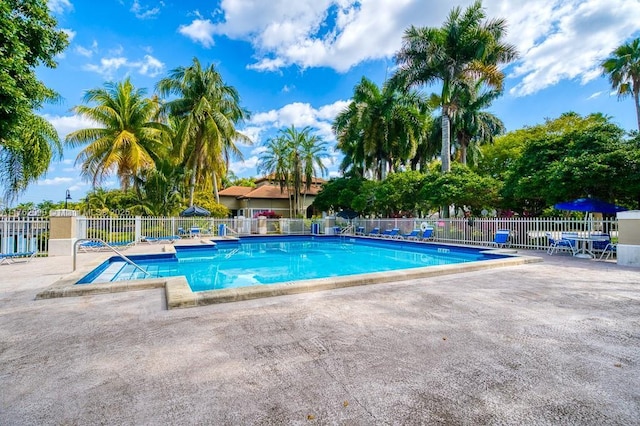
x,y
138,229
62,232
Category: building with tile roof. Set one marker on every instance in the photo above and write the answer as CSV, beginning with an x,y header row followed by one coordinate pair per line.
x,y
266,196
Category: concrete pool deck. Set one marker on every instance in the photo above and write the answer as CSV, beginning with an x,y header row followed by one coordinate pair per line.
x,y
556,342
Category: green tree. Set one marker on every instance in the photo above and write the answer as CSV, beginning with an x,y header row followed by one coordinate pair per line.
x,y
465,49
623,70
380,129
27,153
573,157
128,139
28,39
208,110
293,158
462,187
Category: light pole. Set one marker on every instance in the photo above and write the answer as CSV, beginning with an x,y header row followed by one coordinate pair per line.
x,y
67,198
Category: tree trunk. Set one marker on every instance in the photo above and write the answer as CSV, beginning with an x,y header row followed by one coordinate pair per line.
x,y
445,153
192,186
215,188
636,97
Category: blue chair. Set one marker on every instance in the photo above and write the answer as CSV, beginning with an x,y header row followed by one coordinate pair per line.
x,y
501,239
555,245
24,256
610,249
375,232
194,232
360,230
427,234
413,235
392,233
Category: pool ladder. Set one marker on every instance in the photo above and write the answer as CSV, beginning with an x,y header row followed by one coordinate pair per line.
x,y
99,240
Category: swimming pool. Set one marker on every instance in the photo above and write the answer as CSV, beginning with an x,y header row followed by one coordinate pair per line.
x,y
257,261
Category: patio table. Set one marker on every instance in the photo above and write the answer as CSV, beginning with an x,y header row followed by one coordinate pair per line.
x,y
584,241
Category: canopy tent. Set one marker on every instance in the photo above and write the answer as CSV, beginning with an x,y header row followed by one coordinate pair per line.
x,y
195,211
589,205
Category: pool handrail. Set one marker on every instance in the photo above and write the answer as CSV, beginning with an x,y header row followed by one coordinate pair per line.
x,y
100,240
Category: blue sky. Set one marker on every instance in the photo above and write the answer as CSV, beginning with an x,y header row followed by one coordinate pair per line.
x,y
296,62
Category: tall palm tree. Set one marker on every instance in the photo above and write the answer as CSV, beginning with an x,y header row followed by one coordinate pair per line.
x,y
381,128
293,157
26,153
127,140
467,47
623,69
209,110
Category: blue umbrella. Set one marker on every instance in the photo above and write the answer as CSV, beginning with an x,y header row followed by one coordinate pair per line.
x,y
589,205
195,211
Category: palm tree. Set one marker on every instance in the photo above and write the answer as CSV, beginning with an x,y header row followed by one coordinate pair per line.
x,y
380,129
128,139
623,69
26,153
209,110
466,48
293,157
470,123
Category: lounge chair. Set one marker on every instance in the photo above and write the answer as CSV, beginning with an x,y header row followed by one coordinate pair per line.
x,y
24,256
157,240
427,234
194,232
555,245
360,230
375,232
501,239
392,233
413,235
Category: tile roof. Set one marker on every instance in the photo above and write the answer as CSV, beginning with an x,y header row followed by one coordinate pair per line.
x,y
235,191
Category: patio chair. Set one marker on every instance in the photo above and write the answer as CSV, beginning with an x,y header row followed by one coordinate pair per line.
x,y
375,232
25,256
194,232
155,240
555,245
609,249
360,230
413,235
427,234
501,239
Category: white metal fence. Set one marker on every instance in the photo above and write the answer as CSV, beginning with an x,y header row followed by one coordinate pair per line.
x,y
528,233
24,234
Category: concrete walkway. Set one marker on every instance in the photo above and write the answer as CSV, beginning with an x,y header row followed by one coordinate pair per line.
x,y
547,343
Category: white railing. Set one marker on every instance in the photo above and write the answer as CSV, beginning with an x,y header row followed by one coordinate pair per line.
x,y
528,233
24,234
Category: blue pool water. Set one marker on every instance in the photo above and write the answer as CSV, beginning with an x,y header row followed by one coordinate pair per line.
x,y
262,260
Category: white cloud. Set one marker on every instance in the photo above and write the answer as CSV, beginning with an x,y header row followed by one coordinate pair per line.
x,y
242,166
557,39
144,12
70,33
595,95
200,31
252,132
148,66
55,181
67,124
59,6
300,115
